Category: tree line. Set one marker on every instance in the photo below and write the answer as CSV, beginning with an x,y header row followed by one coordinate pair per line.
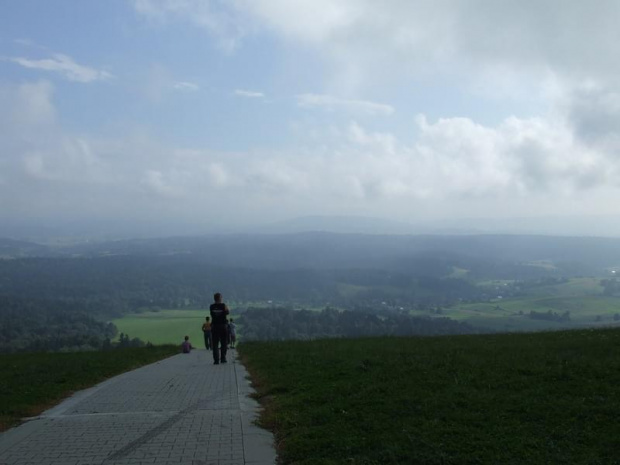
x,y
112,286
47,325
285,323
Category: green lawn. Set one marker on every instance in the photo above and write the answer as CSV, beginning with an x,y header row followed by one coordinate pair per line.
x,y
33,382
165,326
511,399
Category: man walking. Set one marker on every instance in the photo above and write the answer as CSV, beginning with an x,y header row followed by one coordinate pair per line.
x,y
219,331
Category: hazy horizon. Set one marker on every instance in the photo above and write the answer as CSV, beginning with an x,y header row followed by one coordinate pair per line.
x,y
114,230
167,117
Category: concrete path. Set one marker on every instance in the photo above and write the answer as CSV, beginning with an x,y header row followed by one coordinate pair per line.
x,y
182,410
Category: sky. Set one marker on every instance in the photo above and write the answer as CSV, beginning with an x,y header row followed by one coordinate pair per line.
x,y
179,115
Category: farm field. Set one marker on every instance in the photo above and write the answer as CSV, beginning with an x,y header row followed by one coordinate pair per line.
x,y
582,297
584,310
546,397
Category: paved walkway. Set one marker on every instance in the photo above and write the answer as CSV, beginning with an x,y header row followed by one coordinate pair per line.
x,y
182,410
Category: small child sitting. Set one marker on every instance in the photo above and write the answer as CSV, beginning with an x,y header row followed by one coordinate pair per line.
x,y
186,347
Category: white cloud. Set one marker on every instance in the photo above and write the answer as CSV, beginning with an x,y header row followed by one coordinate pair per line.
x,y
24,42
65,66
28,104
548,161
218,17
186,86
35,166
249,93
594,113
415,36
218,175
332,103
490,46
156,182
497,50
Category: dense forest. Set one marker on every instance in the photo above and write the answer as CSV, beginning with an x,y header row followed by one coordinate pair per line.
x,y
41,325
116,285
285,323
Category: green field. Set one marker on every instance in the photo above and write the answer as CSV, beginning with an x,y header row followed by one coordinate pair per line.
x,y
165,326
33,382
574,287
582,297
504,314
532,398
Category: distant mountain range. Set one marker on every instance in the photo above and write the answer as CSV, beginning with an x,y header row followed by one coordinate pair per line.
x,y
10,248
63,234
599,226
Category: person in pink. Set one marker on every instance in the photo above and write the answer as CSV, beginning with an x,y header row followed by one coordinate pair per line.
x,y
186,347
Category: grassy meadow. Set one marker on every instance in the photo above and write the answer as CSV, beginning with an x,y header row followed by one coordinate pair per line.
x,y
165,326
582,297
33,382
534,398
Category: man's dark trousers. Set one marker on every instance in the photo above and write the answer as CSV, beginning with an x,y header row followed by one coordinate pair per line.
x,y
220,337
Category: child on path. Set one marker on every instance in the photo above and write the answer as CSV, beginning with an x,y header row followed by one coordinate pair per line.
x,y
206,330
186,347
233,333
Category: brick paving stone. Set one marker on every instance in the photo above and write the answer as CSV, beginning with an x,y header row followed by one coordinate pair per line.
x,y
182,410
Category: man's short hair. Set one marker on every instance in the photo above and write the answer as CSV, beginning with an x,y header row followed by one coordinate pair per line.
x,y
217,296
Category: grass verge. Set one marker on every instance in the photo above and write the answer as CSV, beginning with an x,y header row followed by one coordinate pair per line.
x,y
32,382
512,398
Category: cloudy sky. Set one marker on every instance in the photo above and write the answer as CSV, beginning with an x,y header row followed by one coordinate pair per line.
x,y
194,112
